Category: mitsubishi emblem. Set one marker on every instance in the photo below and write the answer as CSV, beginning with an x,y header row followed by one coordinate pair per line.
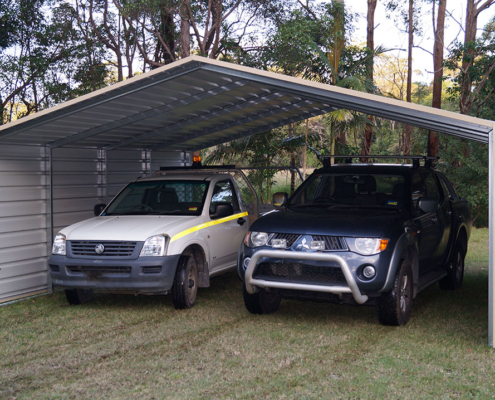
x,y
99,248
302,245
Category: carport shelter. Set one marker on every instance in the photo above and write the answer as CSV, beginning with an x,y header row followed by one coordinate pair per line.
x,y
55,165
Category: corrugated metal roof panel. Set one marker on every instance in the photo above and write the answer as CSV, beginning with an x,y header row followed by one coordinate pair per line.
x,y
198,102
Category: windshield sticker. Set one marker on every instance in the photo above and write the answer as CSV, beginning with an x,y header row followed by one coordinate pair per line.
x,y
391,203
193,208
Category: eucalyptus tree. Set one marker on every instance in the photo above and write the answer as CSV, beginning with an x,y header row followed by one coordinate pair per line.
x,y
44,59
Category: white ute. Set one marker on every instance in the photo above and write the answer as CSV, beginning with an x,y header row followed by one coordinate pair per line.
x,y
165,234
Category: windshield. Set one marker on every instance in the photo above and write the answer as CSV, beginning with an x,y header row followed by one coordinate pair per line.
x,y
160,197
350,190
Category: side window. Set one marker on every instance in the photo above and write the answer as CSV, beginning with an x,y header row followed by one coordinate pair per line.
x,y
417,189
224,192
447,186
432,186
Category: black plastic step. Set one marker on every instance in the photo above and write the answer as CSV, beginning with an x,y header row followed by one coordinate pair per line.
x,y
429,277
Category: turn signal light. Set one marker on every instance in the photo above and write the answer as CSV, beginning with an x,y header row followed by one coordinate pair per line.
x,y
383,244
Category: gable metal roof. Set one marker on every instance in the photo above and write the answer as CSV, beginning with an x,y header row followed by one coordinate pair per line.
x,y
197,102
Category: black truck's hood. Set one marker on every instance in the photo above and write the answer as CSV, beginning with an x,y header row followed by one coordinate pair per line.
x,y
351,222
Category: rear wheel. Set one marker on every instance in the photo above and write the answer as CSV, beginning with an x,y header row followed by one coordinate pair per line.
x,y
261,302
394,307
76,297
455,271
185,287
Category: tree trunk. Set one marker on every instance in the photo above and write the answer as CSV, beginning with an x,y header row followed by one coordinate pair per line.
x,y
185,33
472,12
370,43
438,73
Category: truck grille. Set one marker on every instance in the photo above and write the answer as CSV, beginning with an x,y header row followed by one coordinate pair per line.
x,y
332,243
99,270
301,273
291,238
111,249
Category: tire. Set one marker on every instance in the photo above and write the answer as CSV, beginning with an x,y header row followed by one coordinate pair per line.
x,y
455,271
76,297
185,286
394,307
261,302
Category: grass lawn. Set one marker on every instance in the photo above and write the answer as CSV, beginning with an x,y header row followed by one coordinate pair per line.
x,y
141,347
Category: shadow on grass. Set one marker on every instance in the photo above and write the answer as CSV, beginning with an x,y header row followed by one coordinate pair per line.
x,y
456,314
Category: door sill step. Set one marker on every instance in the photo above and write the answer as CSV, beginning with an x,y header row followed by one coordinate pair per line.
x,y
430,277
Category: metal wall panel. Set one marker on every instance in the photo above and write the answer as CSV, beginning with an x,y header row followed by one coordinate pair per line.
x,y
78,184
23,242
164,158
124,166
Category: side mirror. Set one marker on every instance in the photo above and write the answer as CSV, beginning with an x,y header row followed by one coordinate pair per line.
x,y
99,208
221,210
280,200
427,204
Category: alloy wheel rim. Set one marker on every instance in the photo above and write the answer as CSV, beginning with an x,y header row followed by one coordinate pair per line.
x,y
404,294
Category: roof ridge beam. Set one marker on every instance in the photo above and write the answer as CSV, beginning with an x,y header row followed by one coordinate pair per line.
x,y
232,124
148,113
179,125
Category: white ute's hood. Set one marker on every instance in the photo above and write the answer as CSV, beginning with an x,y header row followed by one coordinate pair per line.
x,y
129,227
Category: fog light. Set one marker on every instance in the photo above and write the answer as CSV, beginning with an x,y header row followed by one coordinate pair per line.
x,y
317,245
369,272
245,263
279,243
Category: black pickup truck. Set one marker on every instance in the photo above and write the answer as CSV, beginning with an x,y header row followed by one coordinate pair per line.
x,y
374,234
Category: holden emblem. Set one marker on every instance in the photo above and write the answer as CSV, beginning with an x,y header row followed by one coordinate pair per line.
x,y
99,248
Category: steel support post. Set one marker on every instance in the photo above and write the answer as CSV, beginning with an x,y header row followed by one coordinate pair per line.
x,y
491,241
49,209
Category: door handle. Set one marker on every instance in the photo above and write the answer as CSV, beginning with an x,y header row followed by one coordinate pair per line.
x,y
241,221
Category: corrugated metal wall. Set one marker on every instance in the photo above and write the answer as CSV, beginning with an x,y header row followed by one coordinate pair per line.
x,y
80,178
23,247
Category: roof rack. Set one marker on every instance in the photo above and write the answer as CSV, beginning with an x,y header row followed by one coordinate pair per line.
x,y
197,167
326,159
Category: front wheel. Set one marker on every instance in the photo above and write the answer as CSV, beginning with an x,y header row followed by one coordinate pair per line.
x,y
185,287
455,271
261,302
394,307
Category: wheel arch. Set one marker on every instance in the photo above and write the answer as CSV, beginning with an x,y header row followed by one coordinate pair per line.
x,y
462,238
199,255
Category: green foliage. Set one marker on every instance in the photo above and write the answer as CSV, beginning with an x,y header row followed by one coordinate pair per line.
x,y
465,163
478,73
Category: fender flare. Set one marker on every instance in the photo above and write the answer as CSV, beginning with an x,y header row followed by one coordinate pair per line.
x,y
404,248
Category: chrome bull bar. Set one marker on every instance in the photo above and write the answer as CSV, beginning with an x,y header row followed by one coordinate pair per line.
x,y
252,284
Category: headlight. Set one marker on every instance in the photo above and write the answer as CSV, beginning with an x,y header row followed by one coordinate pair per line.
x,y
256,239
59,245
367,246
154,247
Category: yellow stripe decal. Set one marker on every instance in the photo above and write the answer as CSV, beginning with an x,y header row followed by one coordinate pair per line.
x,y
207,224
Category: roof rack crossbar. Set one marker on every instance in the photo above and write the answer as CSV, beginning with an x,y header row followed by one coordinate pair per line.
x,y
428,159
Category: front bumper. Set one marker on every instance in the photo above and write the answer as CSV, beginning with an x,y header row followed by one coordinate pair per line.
x,y
144,275
352,287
